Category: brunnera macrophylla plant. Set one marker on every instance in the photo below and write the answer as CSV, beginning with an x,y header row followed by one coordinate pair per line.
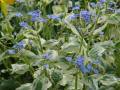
x,y
60,45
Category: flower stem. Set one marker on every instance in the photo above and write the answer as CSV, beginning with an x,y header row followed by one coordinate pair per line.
x,y
76,81
40,43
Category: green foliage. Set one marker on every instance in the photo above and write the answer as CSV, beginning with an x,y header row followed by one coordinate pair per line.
x,y
60,45
56,76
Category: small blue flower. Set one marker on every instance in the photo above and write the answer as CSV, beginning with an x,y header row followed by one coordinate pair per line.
x,y
18,14
35,13
33,19
46,56
20,1
54,17
101,33
99,5
96,71
76,8
11,52
23,24
85,15
20,45
73,16
89,67
46,66
69,59
93,4
83,69
79,61
96,62
42,20
102,1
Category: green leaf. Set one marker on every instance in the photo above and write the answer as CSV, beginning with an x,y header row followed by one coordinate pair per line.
x,y
2,56
20,68
66,79
59,9
9,85
37,84
114,19
70,47
41,83
72,28
53,54
27,86
97,31
27,54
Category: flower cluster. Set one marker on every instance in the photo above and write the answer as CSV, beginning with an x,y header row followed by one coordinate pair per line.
x,y
35,15
85,15
54,17
23,24
86,68
20,45
102,1
73,16
46,56
76,8
69,59
11,52
18,14
93,4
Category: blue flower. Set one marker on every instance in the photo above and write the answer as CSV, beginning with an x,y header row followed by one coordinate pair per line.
x,y
76,8
46,66
20,45
102,1
42,20
99,5
73,16
33,19
79,61
54,17
85,15
89,67
46,56
83,69
96,62
35,13
96,71
20,1
101,33
11,52
23,24
69,59
18,14
93,4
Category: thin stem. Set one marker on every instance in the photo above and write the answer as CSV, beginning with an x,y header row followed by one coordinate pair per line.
x,y
40,43
76,81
